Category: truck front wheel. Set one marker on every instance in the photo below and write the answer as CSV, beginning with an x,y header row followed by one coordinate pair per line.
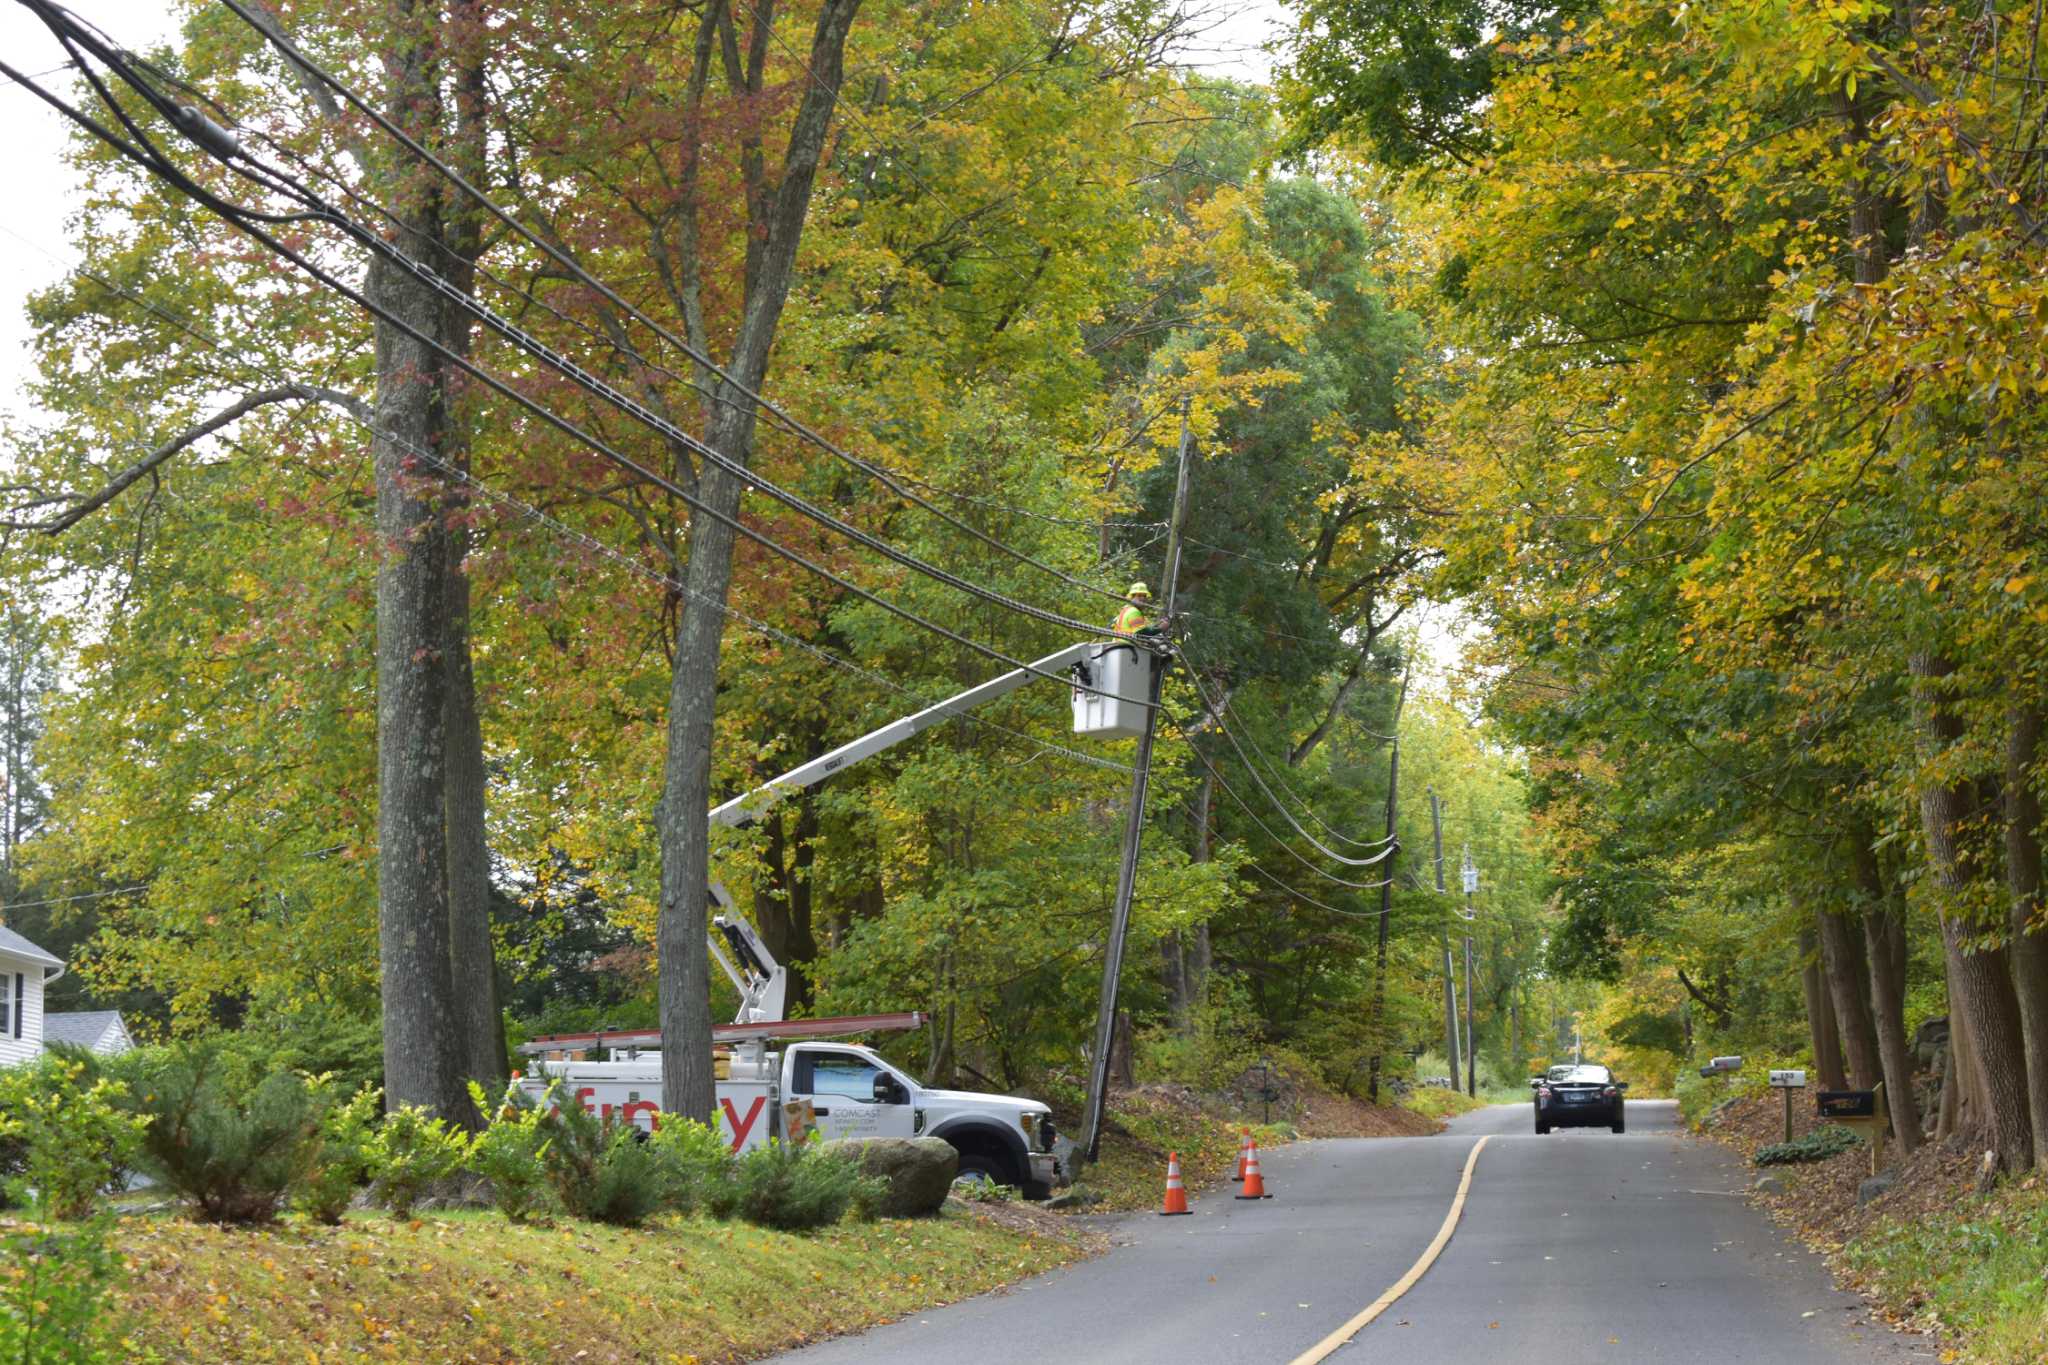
x,y
985,1166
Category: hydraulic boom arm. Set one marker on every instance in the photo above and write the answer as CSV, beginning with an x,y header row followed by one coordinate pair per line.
x,y
762,981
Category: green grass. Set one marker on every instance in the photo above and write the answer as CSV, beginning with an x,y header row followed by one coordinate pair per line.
x,y
472,1287
1975,1269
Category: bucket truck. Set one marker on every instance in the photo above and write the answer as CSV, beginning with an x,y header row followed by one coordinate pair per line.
x,y
775,1079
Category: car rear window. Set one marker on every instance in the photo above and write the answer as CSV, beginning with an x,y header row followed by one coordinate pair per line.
x,y
1589,1075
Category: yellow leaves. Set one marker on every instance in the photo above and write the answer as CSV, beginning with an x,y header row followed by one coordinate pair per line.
x,y
2018,583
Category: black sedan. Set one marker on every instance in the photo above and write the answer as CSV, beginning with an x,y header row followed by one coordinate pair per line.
x,y
1579,1097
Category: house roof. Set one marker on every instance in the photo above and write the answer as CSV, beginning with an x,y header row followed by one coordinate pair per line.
x,y
15,945
83,1027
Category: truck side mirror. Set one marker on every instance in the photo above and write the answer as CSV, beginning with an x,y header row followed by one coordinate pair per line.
x,y
888,1091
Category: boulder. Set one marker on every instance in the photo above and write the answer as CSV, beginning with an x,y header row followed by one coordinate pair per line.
x,y
1073,1199
1875,1187
920,1171
1930,1045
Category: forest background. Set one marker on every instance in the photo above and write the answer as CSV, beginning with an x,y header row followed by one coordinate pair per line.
x,y
1681,359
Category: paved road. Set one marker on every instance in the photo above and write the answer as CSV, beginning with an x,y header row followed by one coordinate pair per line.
x,y
1580,1246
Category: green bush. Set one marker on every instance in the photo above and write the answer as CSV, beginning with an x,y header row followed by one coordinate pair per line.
x,y
1830,1139
697,1158
70,1132
338,1160
507,1153
55,1295
794,1188
410,1153
232,1148
602,1169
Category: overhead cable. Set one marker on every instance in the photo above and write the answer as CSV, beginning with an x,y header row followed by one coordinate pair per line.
x,y
153,160
555,526
697,355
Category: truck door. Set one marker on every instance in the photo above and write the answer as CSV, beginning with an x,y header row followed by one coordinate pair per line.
x,y
841,1086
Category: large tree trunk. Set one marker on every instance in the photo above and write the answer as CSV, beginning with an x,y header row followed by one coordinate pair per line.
x,y
1820,1016
1848,974
2029,938
1982,978
473,962
421,1059
1884,932
776,218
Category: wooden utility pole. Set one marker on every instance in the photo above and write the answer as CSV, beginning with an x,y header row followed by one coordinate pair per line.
x,y
1379,985
1436,828
1134,831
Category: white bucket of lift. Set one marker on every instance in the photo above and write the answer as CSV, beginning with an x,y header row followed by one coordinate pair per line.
x,y
1113,686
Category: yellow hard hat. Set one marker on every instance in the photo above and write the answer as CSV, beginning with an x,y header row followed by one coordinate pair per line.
x,y
1139,590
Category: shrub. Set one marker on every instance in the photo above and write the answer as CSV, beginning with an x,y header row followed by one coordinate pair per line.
x,y
698,1161
507,1152
411,1152
603,1170
1830,1139
70,1133
233,1149
338,1160
794,1188
55,1291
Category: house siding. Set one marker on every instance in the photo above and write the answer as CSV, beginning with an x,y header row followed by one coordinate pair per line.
x,y
30,1044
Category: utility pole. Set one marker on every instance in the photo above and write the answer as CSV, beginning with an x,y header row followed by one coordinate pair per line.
x,y
1379,985
1436,827
1471,1043
1134,829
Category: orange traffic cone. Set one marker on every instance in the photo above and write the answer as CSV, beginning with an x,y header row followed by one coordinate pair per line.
x,y
1243,1150
1254,1183
1176,1193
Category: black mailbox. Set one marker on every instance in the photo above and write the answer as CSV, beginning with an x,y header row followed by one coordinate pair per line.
x,y
1847,1104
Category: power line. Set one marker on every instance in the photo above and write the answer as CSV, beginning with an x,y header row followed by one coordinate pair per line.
x,y
68,900
1284,846
223,147
555,525
1216,712
154,160
696,355
1230,700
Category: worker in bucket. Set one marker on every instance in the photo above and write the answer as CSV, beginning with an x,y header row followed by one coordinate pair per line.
x,y
1132,619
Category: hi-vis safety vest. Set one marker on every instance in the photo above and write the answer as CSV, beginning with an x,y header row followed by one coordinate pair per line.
x,y
1130,621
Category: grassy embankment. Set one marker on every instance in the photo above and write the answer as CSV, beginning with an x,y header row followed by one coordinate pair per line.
x,y
472,1287
1933,1253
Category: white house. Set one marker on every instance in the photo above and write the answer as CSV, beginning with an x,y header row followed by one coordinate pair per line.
x,y
24,971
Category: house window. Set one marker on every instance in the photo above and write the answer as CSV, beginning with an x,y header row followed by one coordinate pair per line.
x,y
7,1011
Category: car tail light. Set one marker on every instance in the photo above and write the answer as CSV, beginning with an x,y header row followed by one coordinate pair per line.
x,y
1543,1092
1609,1093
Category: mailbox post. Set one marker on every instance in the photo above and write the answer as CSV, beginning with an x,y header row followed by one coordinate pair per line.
x,y
1788,1081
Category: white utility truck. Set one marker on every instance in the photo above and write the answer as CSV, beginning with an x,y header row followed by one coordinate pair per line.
x,y
769,1085
774,1079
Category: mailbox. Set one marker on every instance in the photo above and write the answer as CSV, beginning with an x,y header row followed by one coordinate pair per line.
x,y
1847,1104
1788,1080
1724,1064
1113,685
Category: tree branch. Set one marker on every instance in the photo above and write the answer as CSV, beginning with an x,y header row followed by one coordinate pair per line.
x,y
148,464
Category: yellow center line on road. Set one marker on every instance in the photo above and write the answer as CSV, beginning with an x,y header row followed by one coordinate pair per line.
x,y
1330,1343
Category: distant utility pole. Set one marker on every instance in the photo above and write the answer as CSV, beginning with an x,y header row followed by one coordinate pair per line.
x,y
1134,831
1436,827
1471,872
1379,985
